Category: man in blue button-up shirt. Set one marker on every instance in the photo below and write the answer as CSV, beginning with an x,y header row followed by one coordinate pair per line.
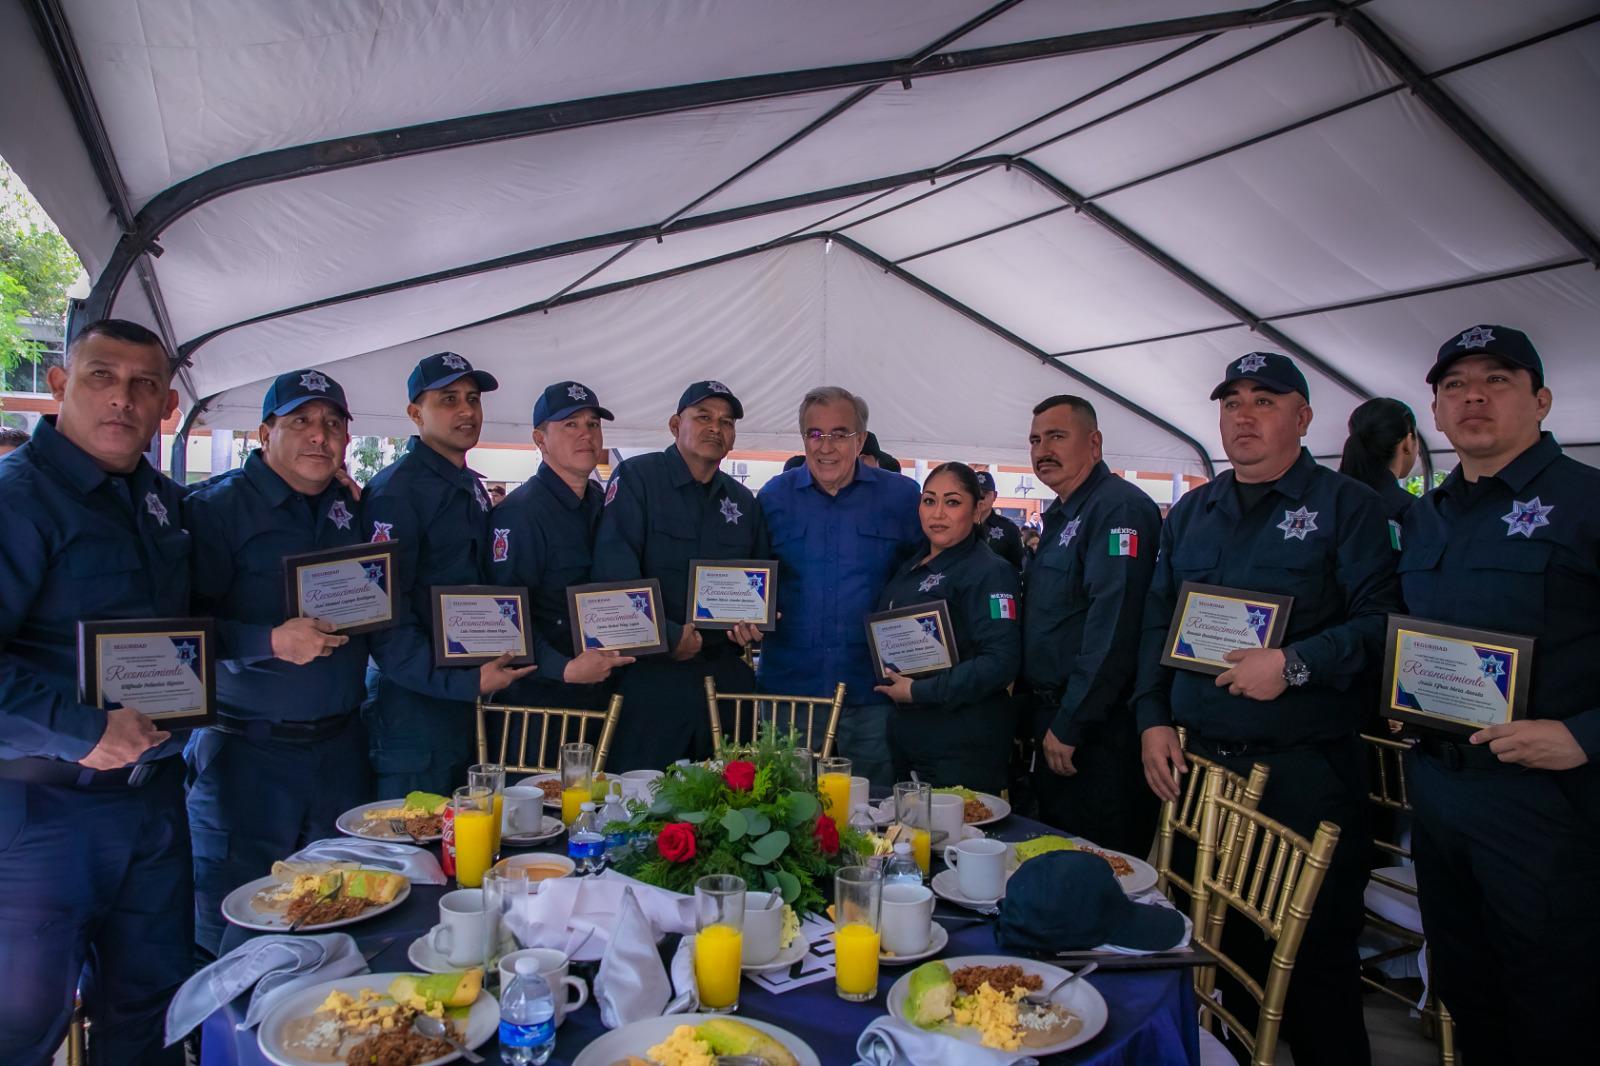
x,y
288,754
839,527
94,849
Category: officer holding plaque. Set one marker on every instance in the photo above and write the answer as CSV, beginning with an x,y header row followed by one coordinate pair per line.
x,y
664,510
288,753
1506,815
94,847
1299,579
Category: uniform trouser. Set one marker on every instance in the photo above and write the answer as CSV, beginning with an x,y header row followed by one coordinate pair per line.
x,y
863,738
664,712
94,887
1508,873
969,746
1322,1019
416,742
1107,800
252,802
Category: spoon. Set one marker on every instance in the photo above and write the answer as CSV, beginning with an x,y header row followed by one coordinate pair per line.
x,y
1042,999
434,1028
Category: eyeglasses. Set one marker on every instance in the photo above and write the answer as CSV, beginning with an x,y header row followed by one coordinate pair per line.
x,y
838,436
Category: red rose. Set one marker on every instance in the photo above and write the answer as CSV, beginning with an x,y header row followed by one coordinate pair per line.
x,y
676,842
827,835
740,775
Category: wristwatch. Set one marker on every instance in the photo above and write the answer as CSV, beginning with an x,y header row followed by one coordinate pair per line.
x,y
1295,670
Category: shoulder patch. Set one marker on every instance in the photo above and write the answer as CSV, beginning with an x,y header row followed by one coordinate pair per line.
x,y
382,531
1002,605
502,545
611,487
1124,541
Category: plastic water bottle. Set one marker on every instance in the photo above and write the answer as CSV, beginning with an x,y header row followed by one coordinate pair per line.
x,y
901,868
586,845
527,1018
614,811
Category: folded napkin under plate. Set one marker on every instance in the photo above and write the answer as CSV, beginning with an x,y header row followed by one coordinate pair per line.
x,y
419,866
275,965
892,1042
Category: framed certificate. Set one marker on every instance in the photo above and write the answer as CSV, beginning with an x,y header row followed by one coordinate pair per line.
x,y
620,616
1210,621
164,667
914,641
725,592
1447,677
473,624
352,587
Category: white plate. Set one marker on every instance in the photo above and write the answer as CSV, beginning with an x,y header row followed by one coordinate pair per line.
x,y
938,940
639,1037
352,823
483,1021
998,809
944,886
533,782
238,909
1143,877
785,958
549,829
1080,997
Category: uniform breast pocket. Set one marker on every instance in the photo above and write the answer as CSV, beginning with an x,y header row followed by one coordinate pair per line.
x,y
1195,562
1302,576
1511,575
568,566
1419,577
98,577
1052,574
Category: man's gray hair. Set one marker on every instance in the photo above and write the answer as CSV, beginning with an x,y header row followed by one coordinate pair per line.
x,y
833,394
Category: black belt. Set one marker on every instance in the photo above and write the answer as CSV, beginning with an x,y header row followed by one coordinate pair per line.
x,y
42,771
1250,749
261,729
1458,754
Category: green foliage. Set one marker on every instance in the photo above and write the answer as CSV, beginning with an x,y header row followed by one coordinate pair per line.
x,y
37,267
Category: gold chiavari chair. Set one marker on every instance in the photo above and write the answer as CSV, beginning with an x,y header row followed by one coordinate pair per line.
x,y
784,712
1270,875
1183,814
77,1031
547,728
1391,895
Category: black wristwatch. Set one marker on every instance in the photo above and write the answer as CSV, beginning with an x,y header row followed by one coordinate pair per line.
x,y
1295,670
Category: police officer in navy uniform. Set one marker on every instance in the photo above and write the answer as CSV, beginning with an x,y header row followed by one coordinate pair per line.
x,y
542,539
420,718
954,727
1279,523
998,531
1506,829
1084,596
288,753
662,510
94,847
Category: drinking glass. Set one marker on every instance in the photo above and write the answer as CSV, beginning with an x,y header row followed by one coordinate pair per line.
x,y
719,944
577,779
857,901
473,809
491,776
913,810
833,781
506,890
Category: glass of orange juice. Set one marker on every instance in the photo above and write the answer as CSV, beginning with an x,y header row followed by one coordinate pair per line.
x,y
719,944
833,782
577,779
491,776
857,897
473,809
913,810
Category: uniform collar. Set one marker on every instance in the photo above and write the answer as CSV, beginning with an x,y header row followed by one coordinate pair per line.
x,y
1519,472
438,463
1074,500
75,464
678,471
270,483
804,480
555,486
945,559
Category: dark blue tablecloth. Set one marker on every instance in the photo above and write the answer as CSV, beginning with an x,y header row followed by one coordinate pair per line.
x,y
1152,1012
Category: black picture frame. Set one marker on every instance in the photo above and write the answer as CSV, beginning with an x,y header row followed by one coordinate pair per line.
x,y
92,635
1515,649
1172,651
939,611
294,564
442,656
649,586
767,566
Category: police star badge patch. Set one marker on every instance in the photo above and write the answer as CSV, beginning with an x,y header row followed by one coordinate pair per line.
x,y
340,515
1296,524
1069,532
1252,362
314,381
1476,337
158,510
453,361
1524,518
577,392
730,512
930,582
995,533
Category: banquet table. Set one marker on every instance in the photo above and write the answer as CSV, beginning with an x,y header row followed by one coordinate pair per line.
x,y
1152,1018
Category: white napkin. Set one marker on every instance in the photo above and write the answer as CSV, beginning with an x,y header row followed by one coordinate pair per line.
x,y
891,1042
632,984
420,867
563,904
275,965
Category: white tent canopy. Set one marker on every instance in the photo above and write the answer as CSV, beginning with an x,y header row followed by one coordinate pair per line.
x,y
955,207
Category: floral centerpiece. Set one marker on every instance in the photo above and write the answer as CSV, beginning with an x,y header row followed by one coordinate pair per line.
x,y
753,812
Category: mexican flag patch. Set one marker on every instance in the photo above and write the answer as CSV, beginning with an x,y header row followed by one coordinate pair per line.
x,y
1394,534
1125,542
1002,605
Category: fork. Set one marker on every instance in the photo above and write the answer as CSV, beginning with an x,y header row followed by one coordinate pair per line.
x,y
398,827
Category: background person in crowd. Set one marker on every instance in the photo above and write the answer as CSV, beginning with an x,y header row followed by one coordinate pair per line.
x,y
543,540
497,493
1084,595
955,727
840,527
288,753
1279,523
94,848
10,440
1505,821
662,510
1381,451
1030,544
872,454
995,529
420,718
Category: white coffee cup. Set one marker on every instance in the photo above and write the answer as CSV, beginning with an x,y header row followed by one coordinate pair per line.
x,y
763,928
905,918
553,968
459,935
859,788
980,867
524,810
639,784
949,814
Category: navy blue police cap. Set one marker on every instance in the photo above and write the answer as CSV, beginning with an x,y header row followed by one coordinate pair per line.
x,y
1511,346
565,398
1071,901
442,368
297,387
986,482
710,390
1271,370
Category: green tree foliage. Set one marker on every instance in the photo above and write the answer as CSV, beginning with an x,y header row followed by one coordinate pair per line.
x,y
37,267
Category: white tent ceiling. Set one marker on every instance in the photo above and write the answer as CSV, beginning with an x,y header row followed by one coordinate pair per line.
x,y
955,206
